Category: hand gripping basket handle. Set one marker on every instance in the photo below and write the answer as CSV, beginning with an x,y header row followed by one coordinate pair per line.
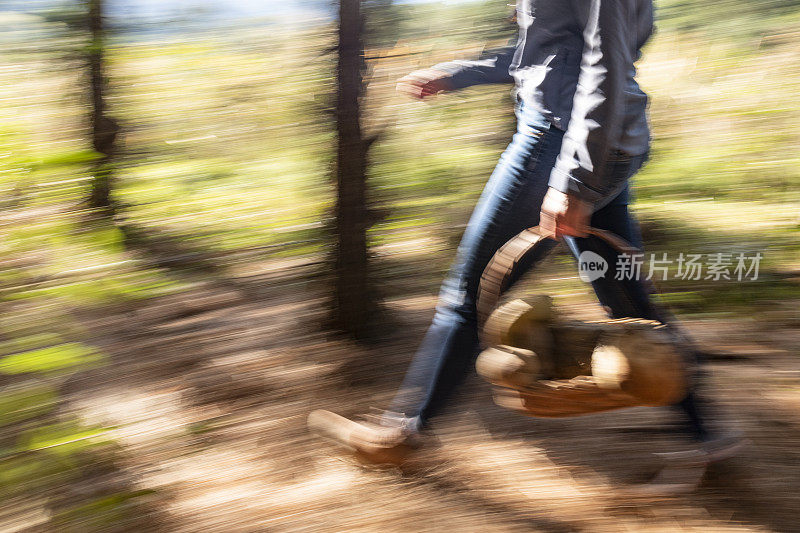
x,y
527,245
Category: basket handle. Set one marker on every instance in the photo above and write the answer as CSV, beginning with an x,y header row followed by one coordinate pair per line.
x,y
497,277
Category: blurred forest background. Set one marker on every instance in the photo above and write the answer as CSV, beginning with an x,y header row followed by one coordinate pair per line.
x,y
203,183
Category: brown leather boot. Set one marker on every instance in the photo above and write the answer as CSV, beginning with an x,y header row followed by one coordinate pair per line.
x,y
389,442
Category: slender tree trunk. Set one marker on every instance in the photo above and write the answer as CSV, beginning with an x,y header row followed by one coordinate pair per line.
x,y
353,300
104,128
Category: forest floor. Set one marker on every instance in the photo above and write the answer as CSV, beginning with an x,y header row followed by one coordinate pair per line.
x,y
206,393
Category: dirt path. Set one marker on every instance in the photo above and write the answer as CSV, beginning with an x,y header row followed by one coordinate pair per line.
x,y
209,390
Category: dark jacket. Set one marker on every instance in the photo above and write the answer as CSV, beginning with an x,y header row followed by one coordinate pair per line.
x,y
573,61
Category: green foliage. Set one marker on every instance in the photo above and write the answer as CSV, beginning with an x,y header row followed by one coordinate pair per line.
x,y
21,475
384,23
72,15
730,20
62,439
50,359
25,402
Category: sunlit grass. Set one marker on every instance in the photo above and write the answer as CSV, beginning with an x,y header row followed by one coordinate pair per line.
x,y
51,359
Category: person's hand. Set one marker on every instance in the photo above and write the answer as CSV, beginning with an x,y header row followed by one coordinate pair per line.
x,y
564,215
424,83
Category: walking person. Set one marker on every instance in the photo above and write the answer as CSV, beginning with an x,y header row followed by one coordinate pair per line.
x,y
582,134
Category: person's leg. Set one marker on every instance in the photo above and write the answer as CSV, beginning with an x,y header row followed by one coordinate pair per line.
x,y
510,203
632,296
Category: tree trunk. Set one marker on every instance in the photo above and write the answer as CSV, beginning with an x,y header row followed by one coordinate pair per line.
x,y
353,300
104,128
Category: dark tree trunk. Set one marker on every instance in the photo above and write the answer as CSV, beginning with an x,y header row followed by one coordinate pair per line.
x,y
353,300
104,128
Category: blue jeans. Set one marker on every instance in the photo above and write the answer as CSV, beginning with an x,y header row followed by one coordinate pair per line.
x,y
511,202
